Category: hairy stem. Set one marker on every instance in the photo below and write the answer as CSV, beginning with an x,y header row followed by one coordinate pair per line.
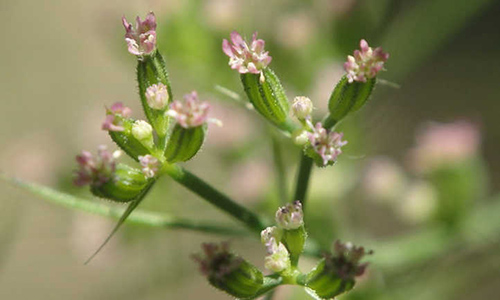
x,y
221,201
303,176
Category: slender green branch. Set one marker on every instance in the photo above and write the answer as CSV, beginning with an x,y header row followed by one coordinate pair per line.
x,y
137,217
303,176
221,201
270,283
279,167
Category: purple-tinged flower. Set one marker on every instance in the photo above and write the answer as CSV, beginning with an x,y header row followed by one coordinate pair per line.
x,y
278,260
325,143
445,144
245,58
191,113
217,262
271,237
290,216
150,165
114,117
346,260
97,170
157,96
365,64
141,40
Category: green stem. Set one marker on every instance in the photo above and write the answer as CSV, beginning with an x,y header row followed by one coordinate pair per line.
x,y
207,192
137,217
305,168
279,167
270,283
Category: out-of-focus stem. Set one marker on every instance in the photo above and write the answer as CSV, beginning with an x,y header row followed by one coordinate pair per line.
x,y
213,196
279,167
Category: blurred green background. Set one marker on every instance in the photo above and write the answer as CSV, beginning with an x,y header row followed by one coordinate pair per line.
x,y
62,61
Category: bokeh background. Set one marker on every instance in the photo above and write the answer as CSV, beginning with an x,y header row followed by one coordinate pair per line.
x,y
62,61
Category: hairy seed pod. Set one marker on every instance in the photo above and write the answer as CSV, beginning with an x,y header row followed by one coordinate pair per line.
x,y
125,185
184,143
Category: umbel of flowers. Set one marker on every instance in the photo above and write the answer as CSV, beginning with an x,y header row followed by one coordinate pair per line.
x,y
154,143
174,131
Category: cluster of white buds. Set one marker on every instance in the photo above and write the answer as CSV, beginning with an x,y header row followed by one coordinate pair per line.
x,y
302,107
277,258
157,96
290,217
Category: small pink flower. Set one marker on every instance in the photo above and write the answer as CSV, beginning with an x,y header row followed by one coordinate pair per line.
x,y
141,40
325,143
114,117
95,170
150,165
365,63
191,113
245,58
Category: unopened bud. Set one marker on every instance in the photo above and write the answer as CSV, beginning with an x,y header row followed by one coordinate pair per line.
x,y
229,272
302,107
143,132
279,260
336,272
157,96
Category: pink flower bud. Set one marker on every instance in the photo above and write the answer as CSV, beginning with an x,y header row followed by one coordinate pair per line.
x,y
290,217
245,58
365,64
114,117
141,40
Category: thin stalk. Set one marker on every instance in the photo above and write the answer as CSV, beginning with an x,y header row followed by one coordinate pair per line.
x,y
137,217
207,192
305,168
279,167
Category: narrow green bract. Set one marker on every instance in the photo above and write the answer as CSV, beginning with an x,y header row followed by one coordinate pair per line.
x,y
184,143
268,97
347,98
326,283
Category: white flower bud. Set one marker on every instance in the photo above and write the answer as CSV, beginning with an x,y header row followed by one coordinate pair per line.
x,y
157,96
142,131
302,107
290,217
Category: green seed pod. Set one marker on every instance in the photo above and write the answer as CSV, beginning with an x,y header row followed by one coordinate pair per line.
x,y
155,91
126,184
327,284
268,97
228,272
335,273
127,142
347,98
184,143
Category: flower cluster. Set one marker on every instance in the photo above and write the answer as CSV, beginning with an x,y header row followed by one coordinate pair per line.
x,y
217,261
277,258
96,170
245,58
114,117
442,144
290,216
150,165
366,63
302,107
191,113
327,144
141,40
345,261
